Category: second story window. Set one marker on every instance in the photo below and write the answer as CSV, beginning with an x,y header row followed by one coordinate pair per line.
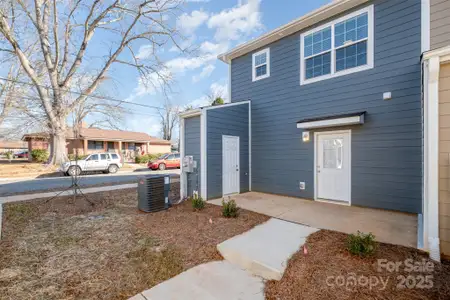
x,y
338,48
261,64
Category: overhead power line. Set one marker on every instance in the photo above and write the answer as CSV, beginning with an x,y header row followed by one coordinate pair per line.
x,y
82,94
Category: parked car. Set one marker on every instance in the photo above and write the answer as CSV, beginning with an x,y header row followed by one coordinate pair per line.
x,y
169,160
106,162
22,154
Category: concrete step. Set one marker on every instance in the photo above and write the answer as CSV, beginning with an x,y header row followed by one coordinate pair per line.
x,y
264,250
218,280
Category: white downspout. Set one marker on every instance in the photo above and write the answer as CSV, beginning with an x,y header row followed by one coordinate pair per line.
x,y
183,186
432,157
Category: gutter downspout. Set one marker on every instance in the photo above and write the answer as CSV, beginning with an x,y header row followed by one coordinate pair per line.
x,y
431,156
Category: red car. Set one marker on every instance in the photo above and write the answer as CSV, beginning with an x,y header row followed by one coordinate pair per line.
x,y
23,154
170,160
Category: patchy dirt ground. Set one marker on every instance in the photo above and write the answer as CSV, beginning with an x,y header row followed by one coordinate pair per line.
x,y
66,250
327,272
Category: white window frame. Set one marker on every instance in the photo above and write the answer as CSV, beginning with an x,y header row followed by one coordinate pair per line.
x,y
370,47
267,52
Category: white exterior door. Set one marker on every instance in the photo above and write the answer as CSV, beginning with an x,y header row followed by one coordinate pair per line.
x,y
230,165
333,166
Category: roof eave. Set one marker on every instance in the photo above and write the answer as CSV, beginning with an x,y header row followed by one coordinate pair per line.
x,y
322,13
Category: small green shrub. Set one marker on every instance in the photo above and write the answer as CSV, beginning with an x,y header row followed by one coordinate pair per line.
x,y
9,155
155,156
197,202
230,208
141,159
361,244
39,155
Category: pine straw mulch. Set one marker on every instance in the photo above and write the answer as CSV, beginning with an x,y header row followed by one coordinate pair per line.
x,y
306,275
64,250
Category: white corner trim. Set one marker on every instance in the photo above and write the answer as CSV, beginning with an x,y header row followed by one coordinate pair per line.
x,y
431,160
332,122
249,146
425,25
370,47
229,83
203,156
264,51
183,181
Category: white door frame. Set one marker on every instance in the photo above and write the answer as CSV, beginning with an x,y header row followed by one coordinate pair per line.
x,y
316,140
239,163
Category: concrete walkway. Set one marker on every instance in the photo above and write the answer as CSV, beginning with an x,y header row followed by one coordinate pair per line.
x,y
387,226
250,258
218,280
265,249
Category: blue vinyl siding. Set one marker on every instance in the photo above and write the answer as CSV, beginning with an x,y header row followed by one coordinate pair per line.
x,y
233,121
386,150
192,147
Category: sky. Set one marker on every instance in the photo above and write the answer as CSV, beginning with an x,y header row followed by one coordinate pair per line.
x,y
214,27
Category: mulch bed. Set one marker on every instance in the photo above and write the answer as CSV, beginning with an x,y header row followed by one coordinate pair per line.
x,y
72,250
328,269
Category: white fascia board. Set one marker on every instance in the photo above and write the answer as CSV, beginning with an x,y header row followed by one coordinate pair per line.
x,y
327,11
425,25
442,53
332,122
226,105
190,113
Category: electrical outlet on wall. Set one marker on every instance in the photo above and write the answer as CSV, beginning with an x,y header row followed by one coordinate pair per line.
x,y
302,185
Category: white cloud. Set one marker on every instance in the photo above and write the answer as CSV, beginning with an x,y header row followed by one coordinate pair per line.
x,y
231,24
208,55
205,73
150,125
145,52
188,23
197,1
215,89
220,89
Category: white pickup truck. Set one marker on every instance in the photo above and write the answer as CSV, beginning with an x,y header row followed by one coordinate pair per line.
x,y
106,162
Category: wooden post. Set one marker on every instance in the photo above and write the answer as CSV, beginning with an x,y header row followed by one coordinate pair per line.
x,y
85,147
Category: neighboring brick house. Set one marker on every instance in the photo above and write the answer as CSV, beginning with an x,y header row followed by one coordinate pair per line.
x,y
12,146
92,140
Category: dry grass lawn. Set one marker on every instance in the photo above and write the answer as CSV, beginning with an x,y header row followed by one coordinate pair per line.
x,y
24,168
306,275
64,250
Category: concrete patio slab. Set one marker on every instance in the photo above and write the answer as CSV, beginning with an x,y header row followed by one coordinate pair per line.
x,y
219,280
265,249
387,226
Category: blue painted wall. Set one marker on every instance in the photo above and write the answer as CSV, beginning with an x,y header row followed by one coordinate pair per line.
x,y
225,120
192,147
386,150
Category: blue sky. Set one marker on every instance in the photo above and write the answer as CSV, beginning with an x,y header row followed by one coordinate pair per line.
x,y
214,26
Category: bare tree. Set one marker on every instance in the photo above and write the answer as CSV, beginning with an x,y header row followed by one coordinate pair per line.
x,y
61,34
169,120
216,97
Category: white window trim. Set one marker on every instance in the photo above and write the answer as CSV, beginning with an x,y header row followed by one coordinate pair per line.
x,y
370,47
267,52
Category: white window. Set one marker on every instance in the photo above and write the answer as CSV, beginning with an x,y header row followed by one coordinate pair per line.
x,y
261,64
337,48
